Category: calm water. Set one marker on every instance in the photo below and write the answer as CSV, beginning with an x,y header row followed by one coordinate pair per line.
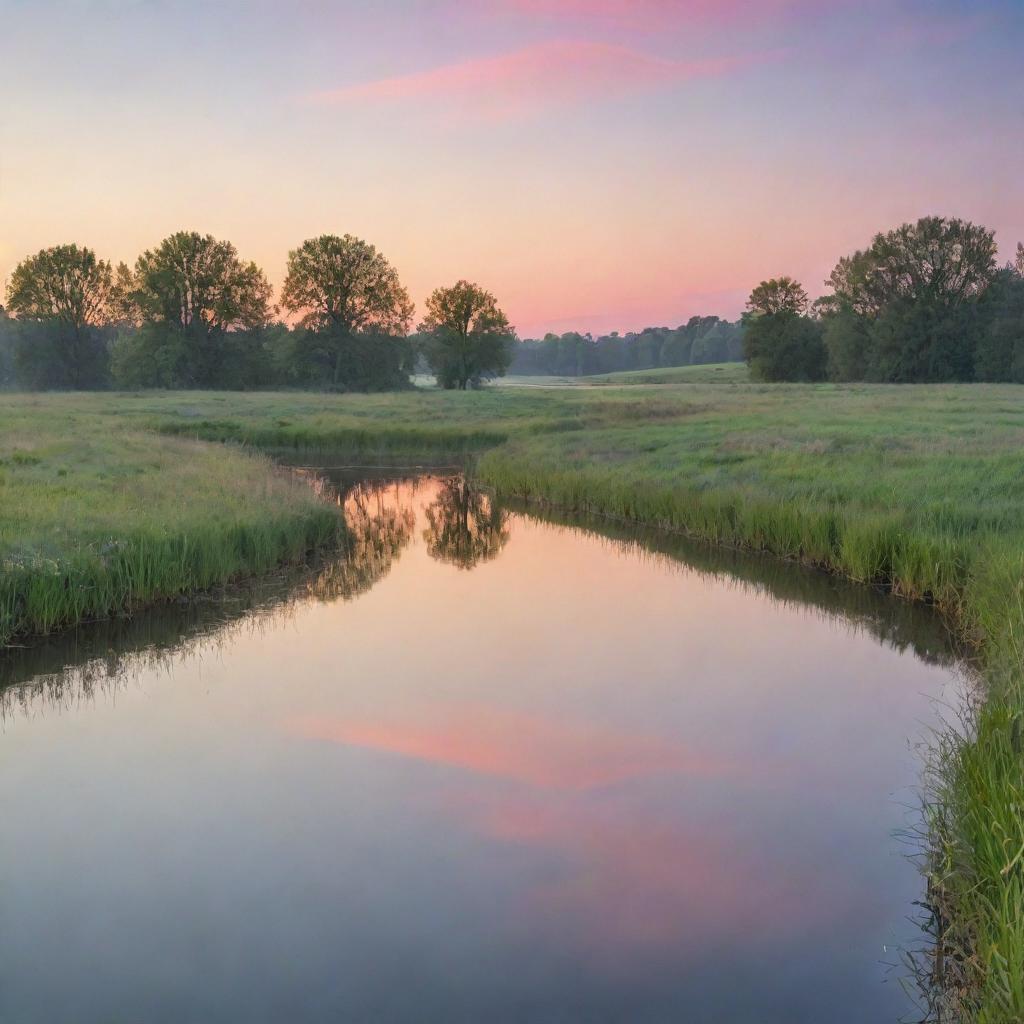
x,y
486,768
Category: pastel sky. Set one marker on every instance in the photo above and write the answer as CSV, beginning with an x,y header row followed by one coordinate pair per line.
x,y
597,164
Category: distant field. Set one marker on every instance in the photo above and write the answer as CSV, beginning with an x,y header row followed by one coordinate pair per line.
x,y
733,373
705,373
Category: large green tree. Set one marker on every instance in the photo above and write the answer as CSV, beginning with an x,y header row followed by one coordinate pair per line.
x,y
345,292
195,301
63,296
914,305
468,338
938,261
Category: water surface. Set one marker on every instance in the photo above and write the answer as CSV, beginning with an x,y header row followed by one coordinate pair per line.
x,y
484,768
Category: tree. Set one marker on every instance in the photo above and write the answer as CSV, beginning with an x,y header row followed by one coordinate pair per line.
x,y
1000,350
779,295
940,261
469,337
914,305
784,346
849,345
188,294
194,281
7,348
66,293
342,288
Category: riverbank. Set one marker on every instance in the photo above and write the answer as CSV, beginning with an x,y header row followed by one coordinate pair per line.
x,y
914,488
99,518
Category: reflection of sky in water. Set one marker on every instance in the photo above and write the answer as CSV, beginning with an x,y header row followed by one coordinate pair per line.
x,y
571,783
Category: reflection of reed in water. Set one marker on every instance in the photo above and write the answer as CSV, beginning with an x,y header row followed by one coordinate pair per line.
x,y
97,658
465,526
899,624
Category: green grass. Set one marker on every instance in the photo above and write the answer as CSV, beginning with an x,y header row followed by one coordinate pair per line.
x,y
705,373
97,517
918,489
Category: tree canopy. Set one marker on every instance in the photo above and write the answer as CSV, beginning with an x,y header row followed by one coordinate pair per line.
x,y
779,295
345,284
66,294
192,281
923,302
938,261
467,337
779,341
353,314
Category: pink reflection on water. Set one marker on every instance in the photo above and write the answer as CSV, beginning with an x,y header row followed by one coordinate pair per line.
x,y
523,748
613,874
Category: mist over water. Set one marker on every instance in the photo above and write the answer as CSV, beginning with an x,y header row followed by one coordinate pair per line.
x,y
484,766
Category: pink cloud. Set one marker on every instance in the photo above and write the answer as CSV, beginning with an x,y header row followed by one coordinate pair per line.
x,y
525,80
650,15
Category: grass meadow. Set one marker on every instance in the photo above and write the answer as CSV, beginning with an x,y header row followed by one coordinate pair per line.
x,y
110,500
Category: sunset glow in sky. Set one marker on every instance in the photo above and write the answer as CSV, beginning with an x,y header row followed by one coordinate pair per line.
x,y
597,164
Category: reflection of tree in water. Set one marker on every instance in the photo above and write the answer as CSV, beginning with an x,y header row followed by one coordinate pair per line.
x,y
465,526
377,528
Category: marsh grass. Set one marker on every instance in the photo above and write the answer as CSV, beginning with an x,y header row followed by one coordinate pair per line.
x,y
106,500
102,520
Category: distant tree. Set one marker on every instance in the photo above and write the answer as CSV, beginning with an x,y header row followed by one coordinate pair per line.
x,y
342,288
849,346
779,342
1000,350
469,337
7,343
779,295
785,347
194,298
65,292
917,342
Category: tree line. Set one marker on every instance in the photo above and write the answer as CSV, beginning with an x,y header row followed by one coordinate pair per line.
x,y
923,302
703,339
192,314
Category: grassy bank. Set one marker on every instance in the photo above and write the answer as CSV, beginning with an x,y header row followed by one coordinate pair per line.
x,y
97,517
917,489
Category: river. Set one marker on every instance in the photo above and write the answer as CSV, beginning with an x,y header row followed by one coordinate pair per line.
x,y
486,767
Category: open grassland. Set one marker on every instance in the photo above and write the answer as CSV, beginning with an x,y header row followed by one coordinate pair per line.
x,y
918,489
97,517
701,373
